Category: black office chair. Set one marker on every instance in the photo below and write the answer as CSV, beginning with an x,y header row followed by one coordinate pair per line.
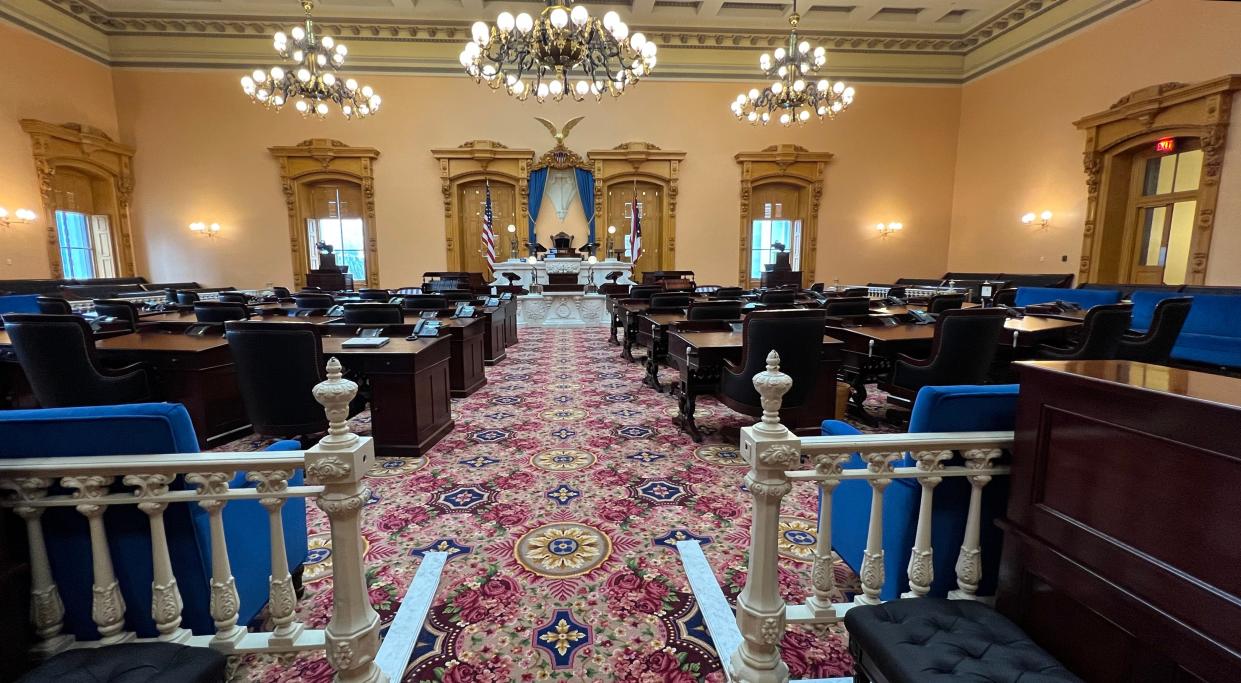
x,y
54,305
233,298
944,302
665,302
1155,345
122,310
896,292
219,311
1101,333
1005,297
281,292
313,301
187,298
424,302
797,335
382,295
778,297
854,292
727,293
964,345
374,314
278,366
818,287
847,305
644,291
57,354
457,295
714,310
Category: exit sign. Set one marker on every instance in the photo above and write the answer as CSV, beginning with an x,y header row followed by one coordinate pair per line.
x,y
1166,146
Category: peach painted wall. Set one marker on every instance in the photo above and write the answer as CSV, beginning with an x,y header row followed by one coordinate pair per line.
x,y
202,155
43,81
1018,150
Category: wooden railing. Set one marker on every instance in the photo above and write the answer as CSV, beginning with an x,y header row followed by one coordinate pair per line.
x,y
334,470
779,459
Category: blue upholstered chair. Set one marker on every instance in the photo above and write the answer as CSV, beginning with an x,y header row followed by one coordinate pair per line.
x,y
137,429
19,303
1144,303
1212,333
963,408
1086,298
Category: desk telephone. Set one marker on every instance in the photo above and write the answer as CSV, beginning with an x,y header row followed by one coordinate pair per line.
x,y
506,296
1013,312
464,310
426,328
492,301
1068,305
893,301
429,315
921,317
371,332
889,321
335,311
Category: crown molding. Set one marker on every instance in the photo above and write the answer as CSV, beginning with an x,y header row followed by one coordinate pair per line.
x,y
133,40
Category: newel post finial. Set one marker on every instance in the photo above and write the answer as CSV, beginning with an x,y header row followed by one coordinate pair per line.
x,y
772,385
334,394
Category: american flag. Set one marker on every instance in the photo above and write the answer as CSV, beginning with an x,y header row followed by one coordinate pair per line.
x,y
636,232
489,240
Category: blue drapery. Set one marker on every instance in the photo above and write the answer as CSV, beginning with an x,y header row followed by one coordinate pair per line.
x,y
586,193
538,181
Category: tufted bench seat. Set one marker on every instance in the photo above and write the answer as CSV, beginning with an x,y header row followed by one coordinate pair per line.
x,y
932,640
132,663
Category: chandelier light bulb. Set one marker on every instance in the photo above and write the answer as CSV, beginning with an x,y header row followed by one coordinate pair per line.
x,y
803,47
580,15
752,116
280,37
347,110
559,17
610,20
542,91
620,31
764,62
277,74
648,50
351,84
327,42
262,95
505,22
799,85
804,115
838,87
480,33
518,87
525,22
299,56
259,76
555,88
247,83
637,40
784,118
329,79
777,87
298,33
342,50
303,74
582,87
321,109
822,85
321,59
780,54
782,71
277,101
302,106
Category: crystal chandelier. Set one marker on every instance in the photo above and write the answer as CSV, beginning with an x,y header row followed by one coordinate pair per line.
x,y
564,51
312,81
793,96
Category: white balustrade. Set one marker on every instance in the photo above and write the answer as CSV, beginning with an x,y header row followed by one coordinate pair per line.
x,y
335,468
777,456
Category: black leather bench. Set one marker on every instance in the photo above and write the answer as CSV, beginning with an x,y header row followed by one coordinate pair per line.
x,y
132,663
932,640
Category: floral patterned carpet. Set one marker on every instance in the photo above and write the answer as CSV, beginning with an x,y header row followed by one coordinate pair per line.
x,y
559,495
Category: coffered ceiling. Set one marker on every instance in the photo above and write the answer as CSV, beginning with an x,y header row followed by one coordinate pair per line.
x,y
943,41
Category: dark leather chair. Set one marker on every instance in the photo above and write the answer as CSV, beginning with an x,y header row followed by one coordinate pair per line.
x,y
644,291
313,300
714,310
897,292
374,314
965,343
665,302
797,335
278,365
375,295
54,305
424,302
1005,297
132,663
847,305
125,311
281,292
1155,345
856,292
818,287
457,295
187,298
233,298
220,311
1102,330
944,302
728,293
57,354
778,297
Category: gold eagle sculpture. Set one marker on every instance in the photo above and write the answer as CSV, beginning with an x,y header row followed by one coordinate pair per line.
x,y
562,133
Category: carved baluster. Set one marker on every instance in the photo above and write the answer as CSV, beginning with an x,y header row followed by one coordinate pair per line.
x,y
282,599
166,602
822,576
224,599
47,612
338,462
969,562
107,605
921,561
872,573
770,449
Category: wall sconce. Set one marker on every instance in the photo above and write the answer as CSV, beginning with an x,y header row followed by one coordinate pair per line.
x,y
512,241
20,216
886,229
1041,220
204,230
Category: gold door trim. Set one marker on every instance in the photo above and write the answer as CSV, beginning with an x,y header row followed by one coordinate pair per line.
x,y
787,165
481,160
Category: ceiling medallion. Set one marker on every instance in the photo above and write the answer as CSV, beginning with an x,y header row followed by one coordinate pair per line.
x,y
312,81
564,51
793,96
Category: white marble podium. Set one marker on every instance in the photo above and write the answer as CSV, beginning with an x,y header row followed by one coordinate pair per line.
x,y
586,272
562,309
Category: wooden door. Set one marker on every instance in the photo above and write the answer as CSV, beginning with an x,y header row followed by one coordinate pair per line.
x,y
471,199
1163,208
101,240
649,202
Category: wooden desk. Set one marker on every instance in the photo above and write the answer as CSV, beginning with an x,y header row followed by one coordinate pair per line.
x,y
465,369
1121,550
510,321
495,337
410,388
699,358
653,336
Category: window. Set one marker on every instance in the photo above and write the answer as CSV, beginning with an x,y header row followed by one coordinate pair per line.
x,y
1166,209
773,228
337,222
77,257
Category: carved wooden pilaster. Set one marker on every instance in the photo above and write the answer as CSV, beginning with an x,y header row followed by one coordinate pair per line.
x,y
788,165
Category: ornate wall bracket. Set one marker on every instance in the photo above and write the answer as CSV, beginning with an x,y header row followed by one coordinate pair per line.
x,y
787,165
473,161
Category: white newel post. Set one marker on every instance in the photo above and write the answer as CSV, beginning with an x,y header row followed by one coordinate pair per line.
x,y
771,449
921,560
969,562
282,598
47,612
339,462
822,576
107,605
872,574
225,601
166,602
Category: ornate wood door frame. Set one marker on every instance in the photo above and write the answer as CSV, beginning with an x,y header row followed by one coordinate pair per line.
x,y
90,151
316,160
789,165
480,160
1199,110
644,162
